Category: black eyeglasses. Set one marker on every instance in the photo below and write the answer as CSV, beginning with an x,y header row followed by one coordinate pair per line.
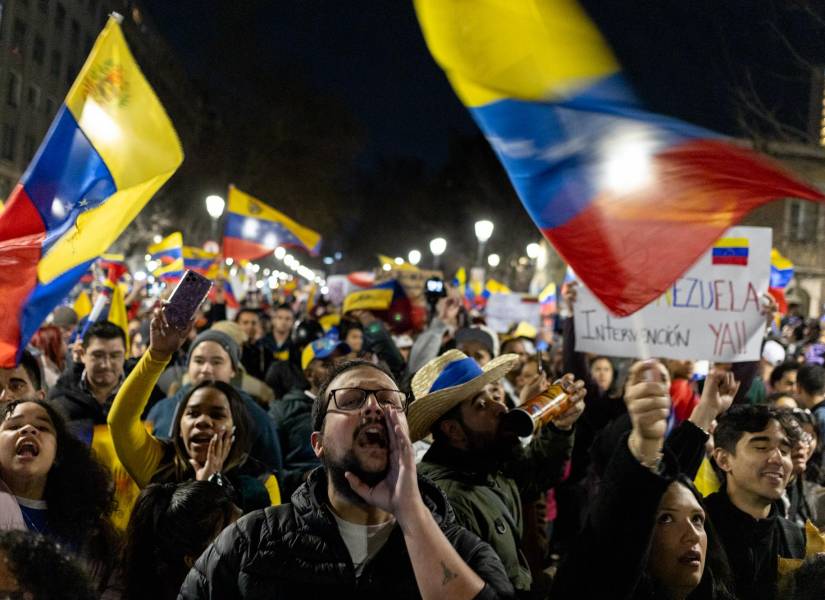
x,y
354,398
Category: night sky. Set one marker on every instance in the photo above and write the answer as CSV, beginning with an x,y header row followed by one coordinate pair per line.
x,y
723,65
687,58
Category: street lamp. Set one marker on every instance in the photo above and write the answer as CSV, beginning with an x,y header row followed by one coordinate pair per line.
x,y
484,229
533,250
214,206
414,257
494,260
437,247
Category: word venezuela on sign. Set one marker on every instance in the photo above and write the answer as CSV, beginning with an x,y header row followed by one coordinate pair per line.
x,y
712,312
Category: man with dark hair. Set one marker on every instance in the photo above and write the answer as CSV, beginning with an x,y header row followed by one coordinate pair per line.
x,y
86,390
783,377
23,382
255,357
753,448
811,382
363,525
279,340
482,466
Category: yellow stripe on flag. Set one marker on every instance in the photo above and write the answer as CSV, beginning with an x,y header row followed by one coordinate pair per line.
x,y
170,242
543,50
125,122
731,243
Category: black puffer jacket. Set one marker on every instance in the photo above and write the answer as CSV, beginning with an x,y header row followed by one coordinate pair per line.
x,y
295,551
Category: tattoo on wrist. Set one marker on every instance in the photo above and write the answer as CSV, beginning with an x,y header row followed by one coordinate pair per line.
x,y
448,575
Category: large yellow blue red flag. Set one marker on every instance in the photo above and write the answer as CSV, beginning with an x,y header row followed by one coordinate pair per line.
x,y
255,229
169,253
109,149
629,198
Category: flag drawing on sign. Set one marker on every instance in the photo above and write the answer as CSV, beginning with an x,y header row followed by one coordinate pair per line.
x,y
730,251
629,198
782,270
110,147
254,229
169,253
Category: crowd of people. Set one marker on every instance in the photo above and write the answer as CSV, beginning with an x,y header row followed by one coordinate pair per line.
x,y
275,451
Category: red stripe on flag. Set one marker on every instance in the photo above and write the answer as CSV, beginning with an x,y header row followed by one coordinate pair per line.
x,y
21,238
243,249
628,248
730,260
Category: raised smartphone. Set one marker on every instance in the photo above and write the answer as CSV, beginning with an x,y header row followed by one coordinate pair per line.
x,y
190,292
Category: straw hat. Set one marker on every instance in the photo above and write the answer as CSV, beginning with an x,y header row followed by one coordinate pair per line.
x,y
448,380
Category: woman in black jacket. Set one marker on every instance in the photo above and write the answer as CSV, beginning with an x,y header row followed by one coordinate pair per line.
x,y
646,535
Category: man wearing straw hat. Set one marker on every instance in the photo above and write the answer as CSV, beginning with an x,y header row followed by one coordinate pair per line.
x,y
484,470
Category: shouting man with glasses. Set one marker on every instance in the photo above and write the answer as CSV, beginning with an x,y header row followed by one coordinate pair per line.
x,y
363,523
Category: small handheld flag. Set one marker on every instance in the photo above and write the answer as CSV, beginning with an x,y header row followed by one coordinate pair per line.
x,y
169,253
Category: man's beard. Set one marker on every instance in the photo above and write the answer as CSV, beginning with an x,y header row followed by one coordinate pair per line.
x,y
492,449
350,462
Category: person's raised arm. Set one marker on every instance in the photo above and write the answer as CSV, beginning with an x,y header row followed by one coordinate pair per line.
x,y
622,515
137,449
540,465
439,570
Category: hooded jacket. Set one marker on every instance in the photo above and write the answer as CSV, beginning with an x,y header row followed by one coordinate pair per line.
x,y
296,551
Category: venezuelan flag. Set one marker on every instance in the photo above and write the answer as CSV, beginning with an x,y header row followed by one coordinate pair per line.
x,y
110,148
548,299
169,253
168,250
782,270
730,251
114,265
200,261
255,229
629,198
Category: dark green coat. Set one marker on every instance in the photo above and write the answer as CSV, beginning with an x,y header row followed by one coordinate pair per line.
x,y
487,500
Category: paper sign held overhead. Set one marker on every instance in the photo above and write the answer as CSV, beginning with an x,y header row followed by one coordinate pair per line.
x,y
712,312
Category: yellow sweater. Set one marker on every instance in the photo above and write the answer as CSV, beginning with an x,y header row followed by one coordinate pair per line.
x,y
139,451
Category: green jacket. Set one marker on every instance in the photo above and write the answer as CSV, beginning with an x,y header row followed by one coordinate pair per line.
x,y
488,502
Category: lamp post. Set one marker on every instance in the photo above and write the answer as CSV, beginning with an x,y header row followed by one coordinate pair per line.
x,y
437,247
533,250
493,260
484,229
414,257
214,206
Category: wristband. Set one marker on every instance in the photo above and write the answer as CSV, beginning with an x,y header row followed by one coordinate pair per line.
x,y
218,480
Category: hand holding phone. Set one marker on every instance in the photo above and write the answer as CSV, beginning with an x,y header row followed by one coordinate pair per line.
x,y
190,292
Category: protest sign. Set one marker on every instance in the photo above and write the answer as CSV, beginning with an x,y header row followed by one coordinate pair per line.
x,y
712,312
505,310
